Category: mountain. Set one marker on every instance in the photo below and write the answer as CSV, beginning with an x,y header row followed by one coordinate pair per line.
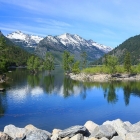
x,y
57,44
131,45
72,43
13,54
28,42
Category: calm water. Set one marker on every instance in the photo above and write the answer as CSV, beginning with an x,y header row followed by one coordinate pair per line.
x,y
55,101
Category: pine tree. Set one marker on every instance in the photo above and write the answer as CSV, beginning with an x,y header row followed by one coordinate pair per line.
x,y
49,62
127,62
112,62
75,68
68,61
83,59
33,64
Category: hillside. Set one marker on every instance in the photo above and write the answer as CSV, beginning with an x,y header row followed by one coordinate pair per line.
x,y
13,54
131,45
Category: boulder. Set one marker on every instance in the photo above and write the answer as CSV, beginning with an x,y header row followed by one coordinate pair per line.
x,y
103,131
66,138
135,127
15,132
121,128
77,137
4,136
90,126
69,132
54,137
30,127
56,131
85,138
116,138
103,138
132,136
92,138
37,135
128,123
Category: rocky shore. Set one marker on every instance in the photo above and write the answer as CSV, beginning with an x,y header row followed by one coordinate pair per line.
x,y
109,130
104,77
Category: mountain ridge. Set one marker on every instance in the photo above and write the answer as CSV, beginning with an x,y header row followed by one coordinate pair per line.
x,y
32,40
72,43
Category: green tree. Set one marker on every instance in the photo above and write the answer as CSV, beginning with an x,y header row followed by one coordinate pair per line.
x,y
83,59
3,60
68,61
75,68
49,62
112,62
33,64
36,64
127,62
105,59
30,63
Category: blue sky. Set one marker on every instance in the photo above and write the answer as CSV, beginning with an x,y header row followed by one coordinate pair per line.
x,y
109,22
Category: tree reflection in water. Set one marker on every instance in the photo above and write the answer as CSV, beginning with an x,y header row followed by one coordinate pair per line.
x,y
49,83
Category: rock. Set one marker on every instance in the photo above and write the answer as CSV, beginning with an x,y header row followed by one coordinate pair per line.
x,y
85,138
77,137
37,135
121,128
30,127
116,138
103,138
69,132
4,136
103,131
92,138
90,126
132,136
15,132
54,137
56,131
66,138
135,127
128,123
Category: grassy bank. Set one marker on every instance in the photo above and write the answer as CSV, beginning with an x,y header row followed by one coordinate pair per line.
x,y
106,70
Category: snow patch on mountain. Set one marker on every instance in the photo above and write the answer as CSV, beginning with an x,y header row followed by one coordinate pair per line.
x,y
25,39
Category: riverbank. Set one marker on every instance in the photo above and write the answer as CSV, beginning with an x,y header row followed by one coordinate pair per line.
x,y
109,130
84,77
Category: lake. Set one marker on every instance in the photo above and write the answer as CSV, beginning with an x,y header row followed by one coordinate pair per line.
x,y
55,101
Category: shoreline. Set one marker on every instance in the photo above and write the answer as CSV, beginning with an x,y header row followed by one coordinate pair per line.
x,y
109,130
83,77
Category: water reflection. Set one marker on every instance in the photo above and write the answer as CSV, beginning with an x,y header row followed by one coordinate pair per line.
x,y
3,104
49,83
24,85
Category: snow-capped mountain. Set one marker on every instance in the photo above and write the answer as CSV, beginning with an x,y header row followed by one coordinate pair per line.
x,y
24,40
72,43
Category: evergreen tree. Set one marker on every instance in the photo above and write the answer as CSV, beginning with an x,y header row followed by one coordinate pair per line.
x,y
3,61
49,62
83,59
127,62
68,61
33,64
30,63
105,59
75,68
112,62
